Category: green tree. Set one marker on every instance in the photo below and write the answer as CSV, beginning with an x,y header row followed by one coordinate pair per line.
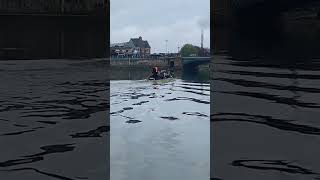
x,y
189,49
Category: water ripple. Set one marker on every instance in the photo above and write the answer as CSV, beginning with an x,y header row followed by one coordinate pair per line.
x,y
39,156
278,99
40,110
273,75
281,124
92,133
21,132
133,121
195,114
20,161
188,99
40,172
278,165
140,103
51,149
122,110
171,118
247,83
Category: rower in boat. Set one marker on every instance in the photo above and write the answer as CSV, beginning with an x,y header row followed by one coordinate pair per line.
x,y
157,74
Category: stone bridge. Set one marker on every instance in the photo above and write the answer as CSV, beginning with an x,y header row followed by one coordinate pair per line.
x,y
191,62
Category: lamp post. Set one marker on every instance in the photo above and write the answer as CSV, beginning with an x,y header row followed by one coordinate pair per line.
x,y
166,46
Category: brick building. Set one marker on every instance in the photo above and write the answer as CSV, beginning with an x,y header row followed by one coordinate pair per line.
x,y
136,47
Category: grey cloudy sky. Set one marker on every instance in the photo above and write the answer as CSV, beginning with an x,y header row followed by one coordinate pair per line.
x,y
178,21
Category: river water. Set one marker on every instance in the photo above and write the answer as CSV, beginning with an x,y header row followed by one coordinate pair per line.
x,y
265,105
54,120
160,130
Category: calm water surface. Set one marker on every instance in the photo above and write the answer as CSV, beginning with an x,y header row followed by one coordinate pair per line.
x,y
160,131
265,113
53,120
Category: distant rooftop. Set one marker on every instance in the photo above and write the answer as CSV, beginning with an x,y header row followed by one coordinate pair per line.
x,y
134,42
138,42
118,44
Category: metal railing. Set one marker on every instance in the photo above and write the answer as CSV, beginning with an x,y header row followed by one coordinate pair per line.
x,y
150,58
134,59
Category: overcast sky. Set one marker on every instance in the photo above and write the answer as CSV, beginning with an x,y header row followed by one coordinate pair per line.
x,y
178,21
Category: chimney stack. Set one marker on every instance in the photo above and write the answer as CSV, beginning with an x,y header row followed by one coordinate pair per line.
x,y
201,38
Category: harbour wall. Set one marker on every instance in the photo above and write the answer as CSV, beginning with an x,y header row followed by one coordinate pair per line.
x,y
145,62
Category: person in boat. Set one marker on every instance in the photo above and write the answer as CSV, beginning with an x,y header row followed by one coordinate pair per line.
x,y
164,74
155,73
159,74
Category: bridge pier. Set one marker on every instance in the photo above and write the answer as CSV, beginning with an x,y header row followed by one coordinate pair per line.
x,y
176,63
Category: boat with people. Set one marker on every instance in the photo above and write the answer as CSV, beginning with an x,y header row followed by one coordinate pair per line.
x,y
161,75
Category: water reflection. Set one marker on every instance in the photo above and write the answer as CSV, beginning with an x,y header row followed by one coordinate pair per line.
x,y
200,74
58,111
159,130
275,165
265,102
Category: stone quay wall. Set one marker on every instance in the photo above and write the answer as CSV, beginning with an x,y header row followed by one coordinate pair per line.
x,y
145,62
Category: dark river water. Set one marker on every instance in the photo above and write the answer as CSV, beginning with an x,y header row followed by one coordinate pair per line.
x,y
160,130
54,120
265,104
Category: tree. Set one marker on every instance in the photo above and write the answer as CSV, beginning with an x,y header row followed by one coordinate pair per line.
x,y
189,49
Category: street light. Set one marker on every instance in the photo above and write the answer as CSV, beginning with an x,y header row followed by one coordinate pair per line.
x,y
166,46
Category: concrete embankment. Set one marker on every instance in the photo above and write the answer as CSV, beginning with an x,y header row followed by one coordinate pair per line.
x,y
145,62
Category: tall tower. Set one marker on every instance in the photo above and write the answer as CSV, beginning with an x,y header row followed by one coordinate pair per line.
x,y
201,38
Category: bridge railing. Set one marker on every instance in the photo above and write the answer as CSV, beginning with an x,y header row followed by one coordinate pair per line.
x,y
149,58
136,59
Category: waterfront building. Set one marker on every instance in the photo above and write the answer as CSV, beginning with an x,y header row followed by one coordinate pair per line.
x,y
136,47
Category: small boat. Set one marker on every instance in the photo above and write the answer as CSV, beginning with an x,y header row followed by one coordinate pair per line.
x,y
161,76
161,81
157,74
